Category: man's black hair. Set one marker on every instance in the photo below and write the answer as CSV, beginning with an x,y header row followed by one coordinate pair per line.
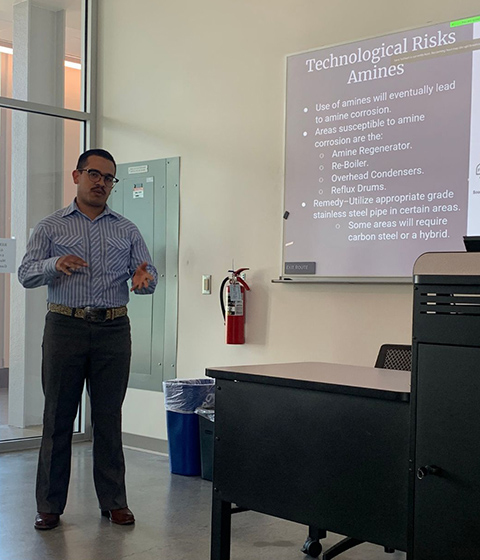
x,y
82,160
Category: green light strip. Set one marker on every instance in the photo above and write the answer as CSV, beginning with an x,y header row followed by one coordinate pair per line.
x,y
466,21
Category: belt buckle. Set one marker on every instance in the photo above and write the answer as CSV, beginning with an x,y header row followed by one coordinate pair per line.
x,y
95,314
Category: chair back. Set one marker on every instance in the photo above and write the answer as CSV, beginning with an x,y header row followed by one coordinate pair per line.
x,y
395,356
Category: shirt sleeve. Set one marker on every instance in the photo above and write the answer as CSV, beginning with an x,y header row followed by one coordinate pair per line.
x,y
139,255
38,267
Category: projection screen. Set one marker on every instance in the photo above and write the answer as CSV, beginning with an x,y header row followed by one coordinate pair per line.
x,y
382,153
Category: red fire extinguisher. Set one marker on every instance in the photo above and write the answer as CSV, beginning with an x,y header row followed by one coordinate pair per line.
x,y
234,314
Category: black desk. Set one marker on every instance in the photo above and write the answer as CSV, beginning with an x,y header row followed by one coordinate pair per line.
x,y
325,445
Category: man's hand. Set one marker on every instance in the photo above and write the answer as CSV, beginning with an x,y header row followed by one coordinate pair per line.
x,y
69,263
141,278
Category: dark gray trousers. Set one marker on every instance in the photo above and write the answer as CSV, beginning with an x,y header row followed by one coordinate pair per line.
x,y
74,352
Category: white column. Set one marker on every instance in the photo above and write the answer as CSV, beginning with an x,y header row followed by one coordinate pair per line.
x,y
37,153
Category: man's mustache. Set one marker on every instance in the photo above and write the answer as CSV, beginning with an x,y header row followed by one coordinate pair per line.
x,y
100,189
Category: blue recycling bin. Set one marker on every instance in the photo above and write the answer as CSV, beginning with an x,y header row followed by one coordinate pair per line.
x,y
182,397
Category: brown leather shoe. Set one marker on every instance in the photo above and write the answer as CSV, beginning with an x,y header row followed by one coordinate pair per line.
x,y
45,521
121,516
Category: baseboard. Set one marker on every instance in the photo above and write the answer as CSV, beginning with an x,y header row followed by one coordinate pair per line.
x,y
3,378
145,443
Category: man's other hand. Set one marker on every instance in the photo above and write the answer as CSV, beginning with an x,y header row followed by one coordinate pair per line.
x,y
69,263
141,278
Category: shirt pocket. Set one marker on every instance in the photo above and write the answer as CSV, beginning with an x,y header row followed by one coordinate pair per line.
x,y
68,245
118,253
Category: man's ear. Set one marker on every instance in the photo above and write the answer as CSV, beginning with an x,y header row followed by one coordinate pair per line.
x,y
76,176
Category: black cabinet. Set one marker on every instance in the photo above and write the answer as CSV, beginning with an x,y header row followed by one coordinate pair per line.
x,y
444,513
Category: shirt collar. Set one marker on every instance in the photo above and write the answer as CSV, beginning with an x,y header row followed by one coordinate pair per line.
x,y
72,208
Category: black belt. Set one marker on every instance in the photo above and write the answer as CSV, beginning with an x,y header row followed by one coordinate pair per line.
x,y
92,314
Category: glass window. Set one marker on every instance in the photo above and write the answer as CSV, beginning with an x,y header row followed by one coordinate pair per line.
x,y
37,156
44,126
41,50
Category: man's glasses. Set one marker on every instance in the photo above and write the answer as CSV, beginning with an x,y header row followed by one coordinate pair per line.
x,y
94,175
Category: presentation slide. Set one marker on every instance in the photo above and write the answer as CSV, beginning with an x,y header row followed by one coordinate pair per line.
x,y
382,152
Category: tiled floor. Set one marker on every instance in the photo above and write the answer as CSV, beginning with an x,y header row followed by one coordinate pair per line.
x,y
172,511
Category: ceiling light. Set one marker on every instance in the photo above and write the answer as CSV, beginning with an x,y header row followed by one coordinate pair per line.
x,y
68,63
75,65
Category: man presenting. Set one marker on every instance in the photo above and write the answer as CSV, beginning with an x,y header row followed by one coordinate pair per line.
x,y
85,254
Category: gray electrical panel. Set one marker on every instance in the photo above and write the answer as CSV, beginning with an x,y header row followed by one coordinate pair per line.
x,y
148,195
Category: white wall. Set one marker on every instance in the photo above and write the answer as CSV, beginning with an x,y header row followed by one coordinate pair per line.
x,y
206,81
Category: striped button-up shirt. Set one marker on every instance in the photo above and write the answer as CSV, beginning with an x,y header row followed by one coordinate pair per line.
x,y
111,245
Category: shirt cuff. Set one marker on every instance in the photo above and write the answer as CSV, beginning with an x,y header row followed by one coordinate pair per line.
x,y
49,269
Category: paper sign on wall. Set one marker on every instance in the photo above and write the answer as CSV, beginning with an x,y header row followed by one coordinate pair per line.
x,y
7,255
